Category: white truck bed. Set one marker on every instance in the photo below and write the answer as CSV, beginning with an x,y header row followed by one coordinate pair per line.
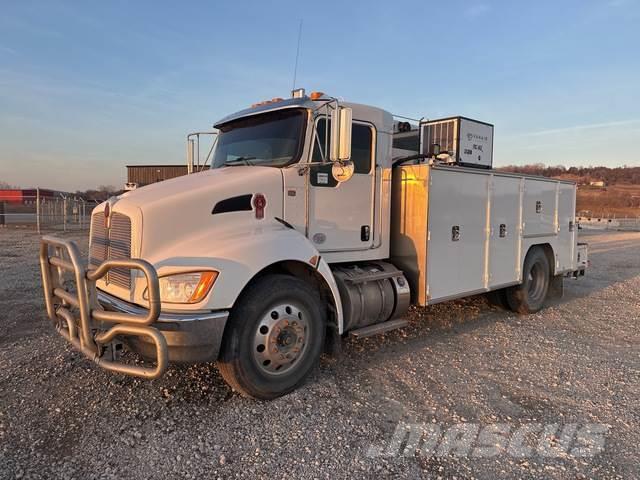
x,y
460,231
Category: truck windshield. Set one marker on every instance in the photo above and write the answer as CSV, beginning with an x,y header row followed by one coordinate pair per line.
x,y
268,139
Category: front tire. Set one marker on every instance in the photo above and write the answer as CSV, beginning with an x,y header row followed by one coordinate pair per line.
x,y
529,296
273,338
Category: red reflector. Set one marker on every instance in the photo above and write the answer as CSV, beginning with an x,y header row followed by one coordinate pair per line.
x,y
259,203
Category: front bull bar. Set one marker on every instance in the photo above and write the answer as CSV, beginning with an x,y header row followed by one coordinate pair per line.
x,y
78,316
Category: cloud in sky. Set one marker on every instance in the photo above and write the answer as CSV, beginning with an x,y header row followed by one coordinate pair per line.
x,y
8,50
477,9
579,128
618,3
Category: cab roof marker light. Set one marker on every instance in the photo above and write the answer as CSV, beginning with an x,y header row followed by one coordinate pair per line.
x,y
267,102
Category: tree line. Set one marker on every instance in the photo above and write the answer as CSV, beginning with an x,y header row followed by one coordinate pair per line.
x,y
611,176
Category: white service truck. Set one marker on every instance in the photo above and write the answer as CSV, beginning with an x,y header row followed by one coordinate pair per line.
x,y
315,218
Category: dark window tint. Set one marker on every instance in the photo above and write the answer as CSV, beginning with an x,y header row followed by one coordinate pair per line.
x,y
407,141
270,139
361,143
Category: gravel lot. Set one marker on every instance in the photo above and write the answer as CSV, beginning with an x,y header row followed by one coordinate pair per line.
x,y
577,361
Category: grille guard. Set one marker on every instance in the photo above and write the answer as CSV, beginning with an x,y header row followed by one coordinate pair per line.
x,y
92,328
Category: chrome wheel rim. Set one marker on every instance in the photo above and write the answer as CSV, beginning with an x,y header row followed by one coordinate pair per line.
x,y
280,339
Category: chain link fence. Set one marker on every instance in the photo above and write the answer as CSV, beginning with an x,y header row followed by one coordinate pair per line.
x,y
44,211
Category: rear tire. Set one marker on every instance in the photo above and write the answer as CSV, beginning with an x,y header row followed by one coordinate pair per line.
x,y
273,338
529,296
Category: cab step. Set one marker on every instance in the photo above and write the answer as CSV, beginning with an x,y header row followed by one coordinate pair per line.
x,y
379,328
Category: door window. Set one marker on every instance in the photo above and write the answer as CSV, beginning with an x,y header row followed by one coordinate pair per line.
x,y
361,151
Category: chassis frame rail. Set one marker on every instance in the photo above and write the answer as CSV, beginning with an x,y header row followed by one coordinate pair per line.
x,y
80,319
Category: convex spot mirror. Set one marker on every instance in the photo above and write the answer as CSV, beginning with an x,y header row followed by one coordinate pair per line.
x,y
342,171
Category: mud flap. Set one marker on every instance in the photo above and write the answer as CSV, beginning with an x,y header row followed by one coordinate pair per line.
x,y
556,287
333,343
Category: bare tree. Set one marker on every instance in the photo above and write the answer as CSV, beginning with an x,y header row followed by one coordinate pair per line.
x,y
102,193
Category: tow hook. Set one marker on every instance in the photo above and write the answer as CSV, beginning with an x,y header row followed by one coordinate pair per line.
x,y
112,351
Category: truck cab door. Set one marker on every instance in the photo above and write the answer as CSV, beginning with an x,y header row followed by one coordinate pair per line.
x,y
341,215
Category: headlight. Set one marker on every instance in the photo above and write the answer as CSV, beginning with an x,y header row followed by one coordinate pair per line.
x,y
189,287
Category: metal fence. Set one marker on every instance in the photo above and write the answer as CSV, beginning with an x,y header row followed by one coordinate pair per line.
x,y
57,211
603,223
628,224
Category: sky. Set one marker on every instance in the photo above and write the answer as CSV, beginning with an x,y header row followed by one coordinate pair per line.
x,y
88,87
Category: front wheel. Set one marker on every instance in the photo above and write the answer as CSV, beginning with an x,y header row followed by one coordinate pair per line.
x,y
274,337
529,296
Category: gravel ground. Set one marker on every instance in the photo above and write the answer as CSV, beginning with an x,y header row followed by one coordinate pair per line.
x,y
577,361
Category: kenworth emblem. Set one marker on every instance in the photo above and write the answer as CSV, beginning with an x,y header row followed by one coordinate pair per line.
x,y
107,212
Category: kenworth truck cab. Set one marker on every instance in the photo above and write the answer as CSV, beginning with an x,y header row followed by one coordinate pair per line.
x,y
316,218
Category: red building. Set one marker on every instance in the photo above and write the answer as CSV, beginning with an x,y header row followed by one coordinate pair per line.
x,y
16,195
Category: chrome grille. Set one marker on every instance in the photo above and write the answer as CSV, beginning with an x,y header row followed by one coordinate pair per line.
x,y
99,241
110,244
119,248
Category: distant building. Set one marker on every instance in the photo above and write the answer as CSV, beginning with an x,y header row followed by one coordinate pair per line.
x,y
141,175
19,206
25,196
597,183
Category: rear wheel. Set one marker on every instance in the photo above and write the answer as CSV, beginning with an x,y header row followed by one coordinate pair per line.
x,y
274,337
529,296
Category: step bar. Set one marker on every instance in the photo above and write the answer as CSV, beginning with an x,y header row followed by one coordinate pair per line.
x,y
379,328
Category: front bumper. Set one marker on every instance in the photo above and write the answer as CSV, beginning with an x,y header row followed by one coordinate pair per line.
x,y
190,337
96,323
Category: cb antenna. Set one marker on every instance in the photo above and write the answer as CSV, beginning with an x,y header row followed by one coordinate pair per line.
x,y
295,68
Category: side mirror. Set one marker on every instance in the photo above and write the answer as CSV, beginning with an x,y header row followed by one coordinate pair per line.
x,y
341,122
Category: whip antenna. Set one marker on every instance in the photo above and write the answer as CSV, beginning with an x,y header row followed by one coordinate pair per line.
x,y
295,68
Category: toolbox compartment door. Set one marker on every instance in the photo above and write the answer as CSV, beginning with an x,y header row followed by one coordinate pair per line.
x,y
504,235
457,233
567,229
539,208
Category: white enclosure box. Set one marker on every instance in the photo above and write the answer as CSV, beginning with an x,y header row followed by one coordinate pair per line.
x,y
461,231
468,142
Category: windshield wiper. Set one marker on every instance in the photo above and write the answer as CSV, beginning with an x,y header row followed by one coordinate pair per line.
x,y
244,160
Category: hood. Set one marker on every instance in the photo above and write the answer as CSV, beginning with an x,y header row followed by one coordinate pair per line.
x,y
183,207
